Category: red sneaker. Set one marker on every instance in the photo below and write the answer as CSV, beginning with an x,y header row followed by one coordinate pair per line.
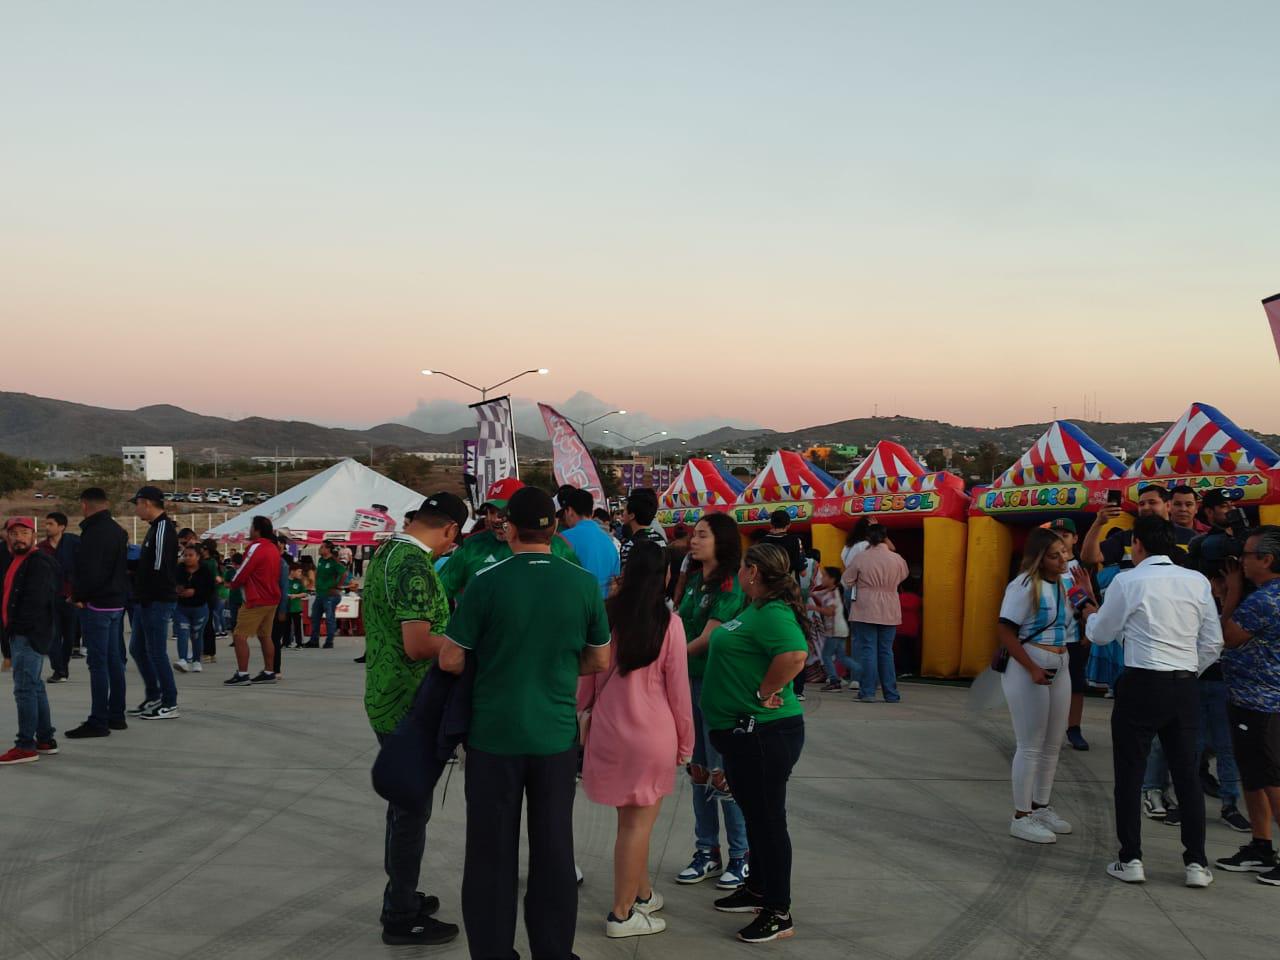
x,y
18,756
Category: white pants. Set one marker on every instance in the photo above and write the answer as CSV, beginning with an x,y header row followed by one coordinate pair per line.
x,y
1039,724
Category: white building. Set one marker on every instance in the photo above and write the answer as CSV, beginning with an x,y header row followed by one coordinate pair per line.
x,y
438,456
150,463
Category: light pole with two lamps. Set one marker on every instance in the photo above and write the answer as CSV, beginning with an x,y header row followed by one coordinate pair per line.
x,y
484,391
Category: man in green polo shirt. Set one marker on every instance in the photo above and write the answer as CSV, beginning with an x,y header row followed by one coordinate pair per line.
x,y
404,606
533,623
329,576
482,550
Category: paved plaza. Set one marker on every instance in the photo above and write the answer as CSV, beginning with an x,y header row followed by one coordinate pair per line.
x,y
247,829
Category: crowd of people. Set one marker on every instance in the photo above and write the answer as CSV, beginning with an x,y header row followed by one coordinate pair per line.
x,y
591,648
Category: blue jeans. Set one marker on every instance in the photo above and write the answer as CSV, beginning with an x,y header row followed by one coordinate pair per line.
x,y
101,631
218,613
706,818
327,607
1216,729
833,651
188,624
873,647
149,648
28,690
1157,775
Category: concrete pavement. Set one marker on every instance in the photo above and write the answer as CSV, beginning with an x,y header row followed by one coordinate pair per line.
x,y
247,829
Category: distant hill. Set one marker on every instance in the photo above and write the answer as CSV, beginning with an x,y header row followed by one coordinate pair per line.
x,y
56,430
924,435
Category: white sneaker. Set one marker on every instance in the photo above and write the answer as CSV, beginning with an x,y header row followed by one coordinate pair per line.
x,y
195,666
637,925
180,665
1130,872
1031,830
1048,817
1198,876
650,906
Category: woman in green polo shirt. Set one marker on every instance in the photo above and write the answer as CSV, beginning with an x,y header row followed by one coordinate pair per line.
x,y
758,726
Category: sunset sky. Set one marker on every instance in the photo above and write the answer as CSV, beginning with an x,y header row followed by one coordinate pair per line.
x,y
756,212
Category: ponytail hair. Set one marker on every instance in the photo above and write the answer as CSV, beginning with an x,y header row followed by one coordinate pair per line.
x,y
773,567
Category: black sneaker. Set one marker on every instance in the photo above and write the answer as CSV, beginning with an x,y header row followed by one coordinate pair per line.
x,y
76,654
143,707
741,900
1234,819
1173,815
1209,783
427,906
359,659
1271,877
768,925
87,731
121,724
238,679
49,746
422,931
264,677
1251,858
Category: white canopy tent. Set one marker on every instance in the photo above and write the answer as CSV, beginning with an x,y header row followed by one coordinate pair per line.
x,y
338,504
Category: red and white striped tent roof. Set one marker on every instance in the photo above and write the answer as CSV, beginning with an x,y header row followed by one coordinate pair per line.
x,y
698,484
887,469
1065,453
1203,440
785,477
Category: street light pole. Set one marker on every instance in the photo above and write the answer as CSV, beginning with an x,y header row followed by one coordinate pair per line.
x,y
583,424
484,391
634,442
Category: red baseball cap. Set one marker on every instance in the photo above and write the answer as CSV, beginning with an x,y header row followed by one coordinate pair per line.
x,y
19,522
500,492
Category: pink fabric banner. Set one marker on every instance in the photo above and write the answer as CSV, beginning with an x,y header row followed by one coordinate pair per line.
x,y
1272,306
570,459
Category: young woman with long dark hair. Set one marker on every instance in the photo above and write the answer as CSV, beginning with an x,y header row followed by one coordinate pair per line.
x,y
757,724
711,596
641,729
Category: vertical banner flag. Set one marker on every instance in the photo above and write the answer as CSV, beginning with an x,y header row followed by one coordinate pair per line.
x,y
570,459
1272,306
469,472
495,457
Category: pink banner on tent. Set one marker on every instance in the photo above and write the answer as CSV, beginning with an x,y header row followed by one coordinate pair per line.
x,y
1272,306
570,459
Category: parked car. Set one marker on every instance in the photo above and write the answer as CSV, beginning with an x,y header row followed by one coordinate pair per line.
x,y
237,491
212,498
195,498
262,497
39,496
177,498
235,501
224,492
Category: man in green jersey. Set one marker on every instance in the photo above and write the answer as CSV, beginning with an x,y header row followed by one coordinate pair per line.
x,y
329,576
403,604
533,623
484,549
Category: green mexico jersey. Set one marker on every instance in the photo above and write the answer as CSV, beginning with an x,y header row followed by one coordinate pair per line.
x,y
526,621
741,652
400,586
481,552
702,602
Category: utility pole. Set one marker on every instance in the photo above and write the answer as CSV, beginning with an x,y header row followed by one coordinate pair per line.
x,y
277,463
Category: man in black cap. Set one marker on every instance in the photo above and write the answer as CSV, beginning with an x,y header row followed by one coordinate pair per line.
x,y
1217,509
155,590
533,623
405,610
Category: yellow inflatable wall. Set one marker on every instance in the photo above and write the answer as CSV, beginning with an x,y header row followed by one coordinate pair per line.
x,y
987,573
944,584
828,540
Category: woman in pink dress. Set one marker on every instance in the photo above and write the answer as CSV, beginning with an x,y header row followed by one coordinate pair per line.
x,y
641,730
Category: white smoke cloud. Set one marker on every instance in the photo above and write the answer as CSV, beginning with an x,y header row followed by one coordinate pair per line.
x,y
446,416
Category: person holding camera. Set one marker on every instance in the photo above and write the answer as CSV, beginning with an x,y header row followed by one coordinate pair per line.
x,y
1169,621
1251,669
1036,625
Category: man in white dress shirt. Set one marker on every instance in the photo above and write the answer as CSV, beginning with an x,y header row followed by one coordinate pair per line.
x,y
1167,619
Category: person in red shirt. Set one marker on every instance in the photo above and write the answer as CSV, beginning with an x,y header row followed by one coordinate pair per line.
x,y
259,577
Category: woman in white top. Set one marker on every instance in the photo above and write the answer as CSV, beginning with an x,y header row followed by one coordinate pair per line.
x,y
1037,622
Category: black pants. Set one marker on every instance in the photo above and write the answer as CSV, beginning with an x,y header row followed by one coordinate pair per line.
x,y
758,766
1167,705
279,637
496,788
295,628
66,633
210,638
406,839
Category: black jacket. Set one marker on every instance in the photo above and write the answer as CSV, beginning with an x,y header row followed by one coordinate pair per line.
x,y
156,578
32,598
100,577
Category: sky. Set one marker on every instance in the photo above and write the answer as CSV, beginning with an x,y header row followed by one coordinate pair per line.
x,y
736,212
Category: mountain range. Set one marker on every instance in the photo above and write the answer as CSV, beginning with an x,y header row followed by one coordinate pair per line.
x,y
58,430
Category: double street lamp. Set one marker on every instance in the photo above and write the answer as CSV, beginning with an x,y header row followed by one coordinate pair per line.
x,y
484,391
632,440
583,424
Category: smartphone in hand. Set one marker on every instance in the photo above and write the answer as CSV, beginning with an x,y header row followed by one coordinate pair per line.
x,y
1079,597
